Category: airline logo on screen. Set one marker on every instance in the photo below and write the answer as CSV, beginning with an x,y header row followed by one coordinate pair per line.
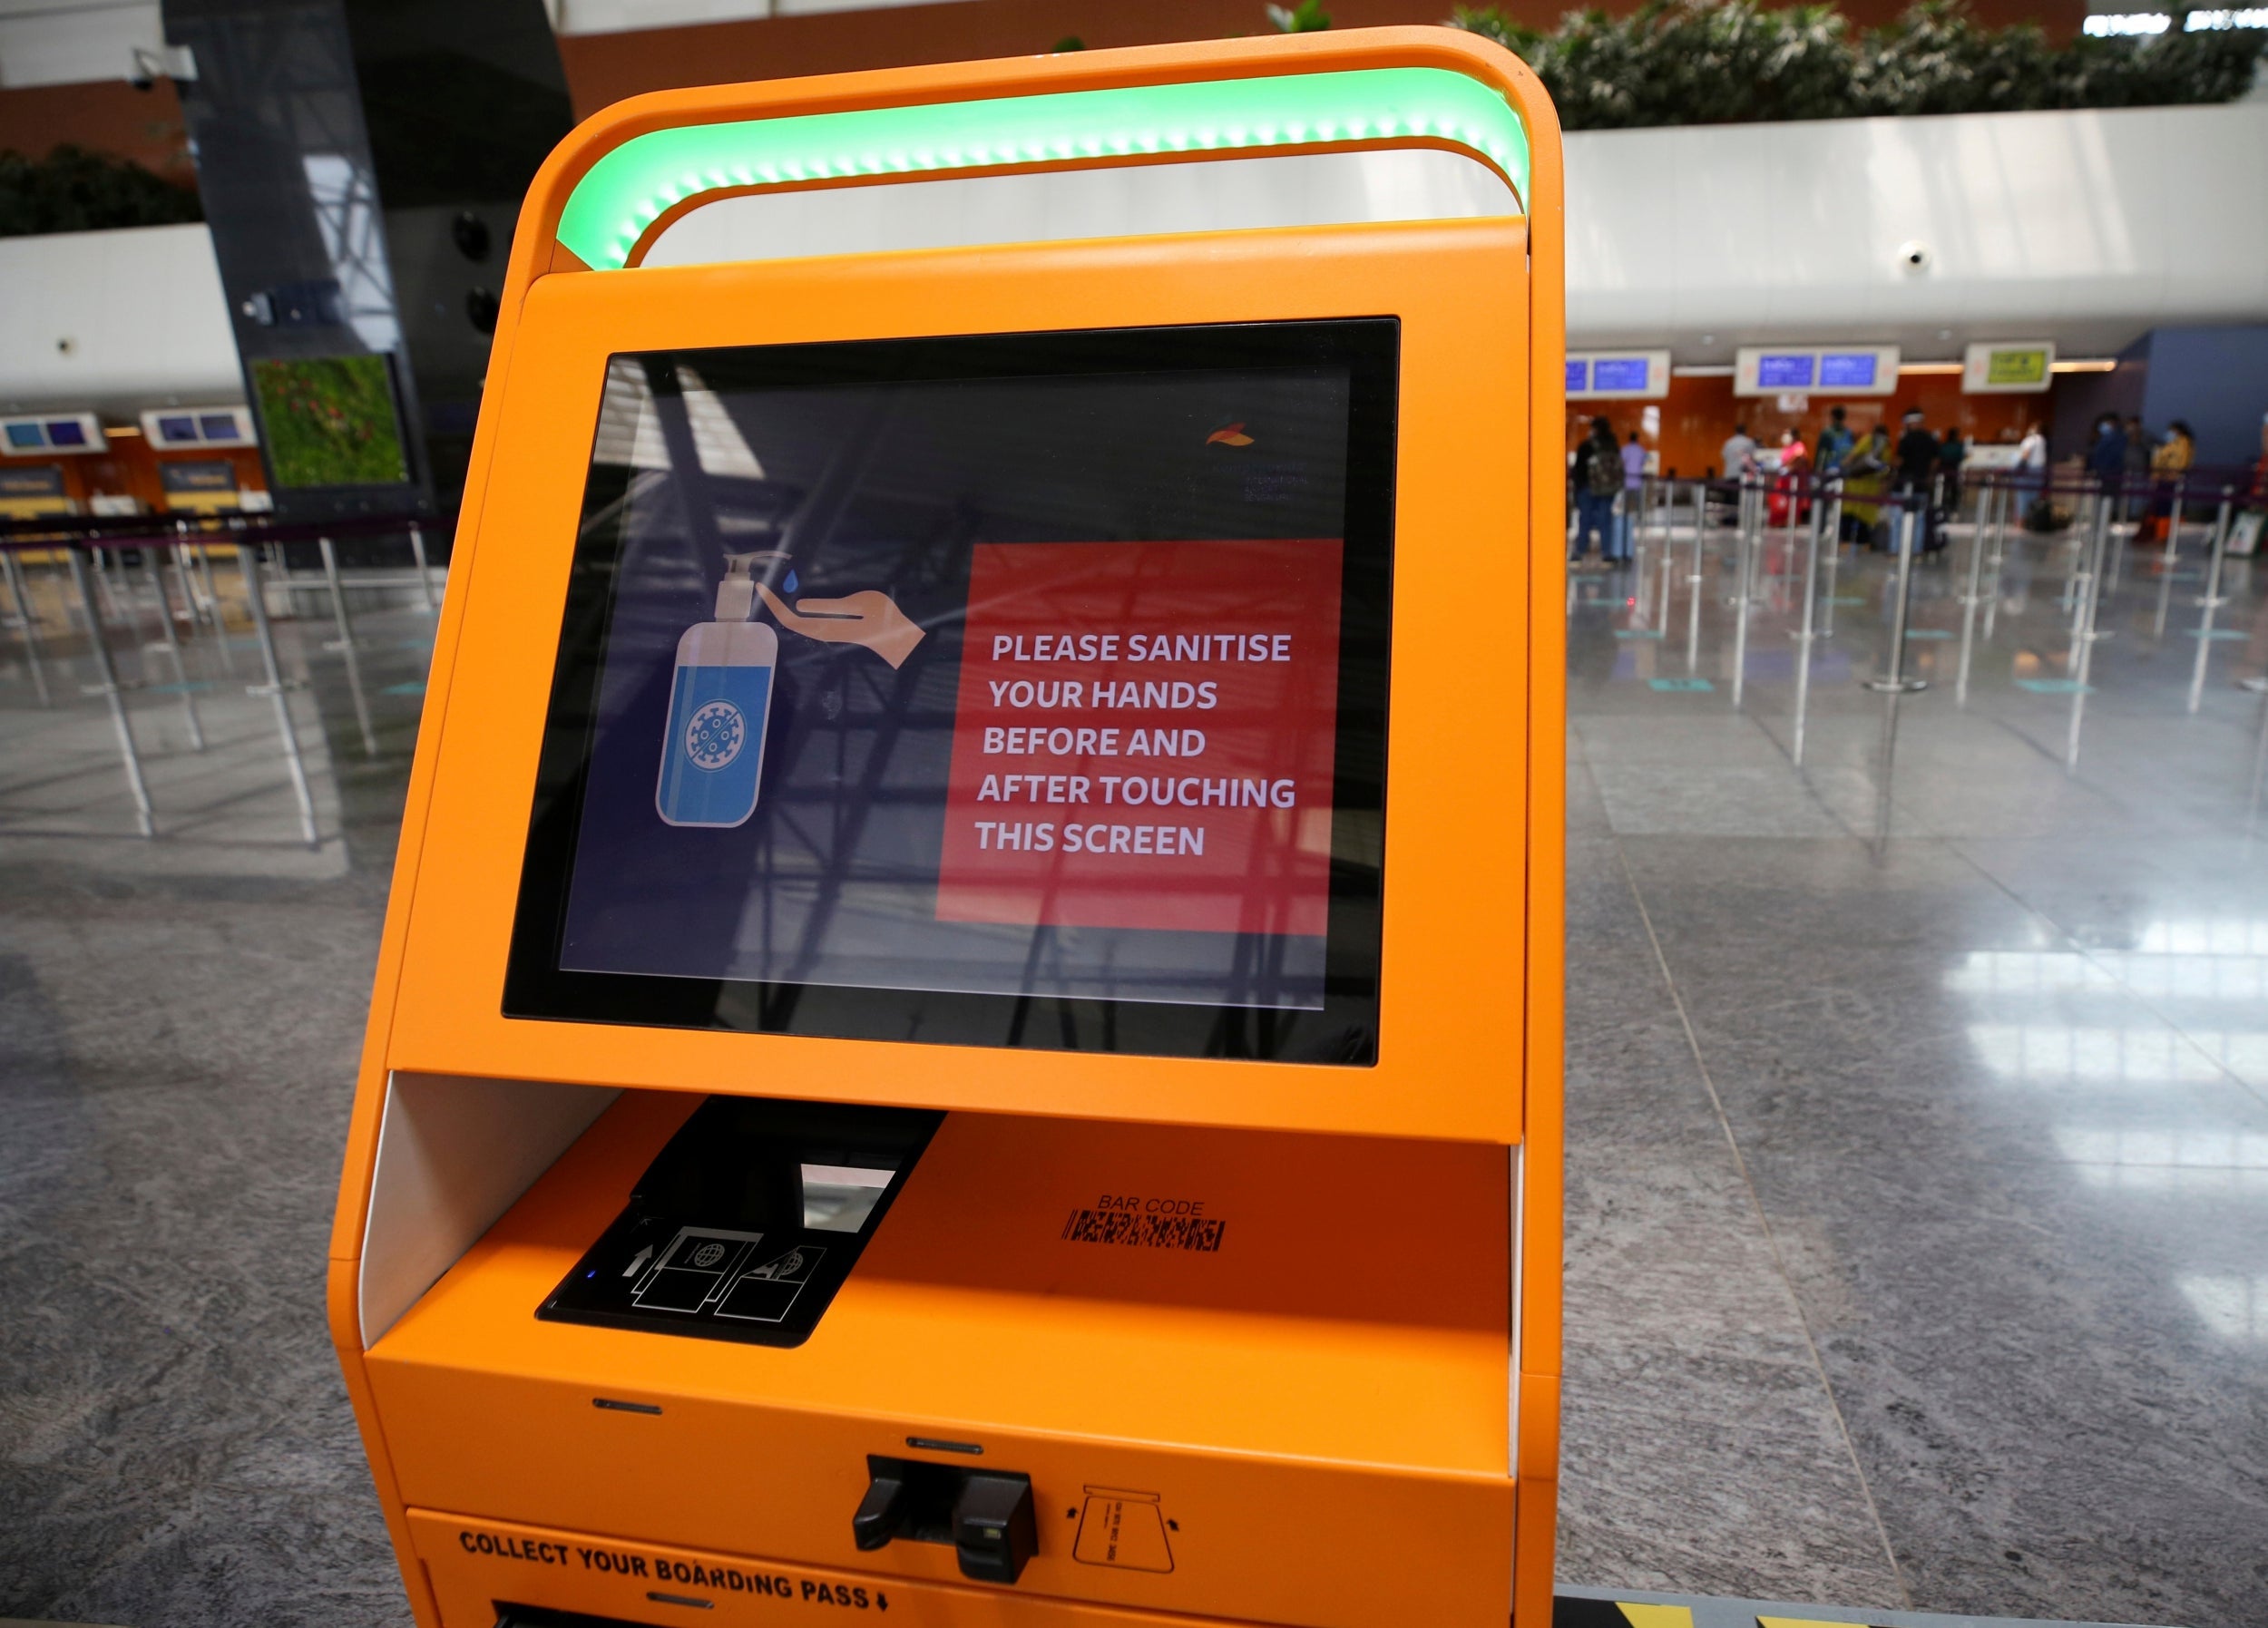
x,y
1144,737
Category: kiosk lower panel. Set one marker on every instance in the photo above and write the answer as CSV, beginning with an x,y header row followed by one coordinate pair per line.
x,y
1153,1368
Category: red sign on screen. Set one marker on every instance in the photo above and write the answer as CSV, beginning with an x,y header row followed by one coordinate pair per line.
x,y
1144,737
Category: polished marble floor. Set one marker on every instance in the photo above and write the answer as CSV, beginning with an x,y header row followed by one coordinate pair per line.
x,y
1918,1103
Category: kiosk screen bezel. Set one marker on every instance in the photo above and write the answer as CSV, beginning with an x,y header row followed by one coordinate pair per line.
x,y
1344,1031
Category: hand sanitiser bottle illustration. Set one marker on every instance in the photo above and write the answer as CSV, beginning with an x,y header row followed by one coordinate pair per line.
x,y
712,755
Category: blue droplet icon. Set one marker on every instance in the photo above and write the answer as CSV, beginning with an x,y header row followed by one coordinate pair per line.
x,y
790,584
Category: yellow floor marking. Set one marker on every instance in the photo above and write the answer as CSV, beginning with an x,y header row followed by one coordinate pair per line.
x,y
1654,1617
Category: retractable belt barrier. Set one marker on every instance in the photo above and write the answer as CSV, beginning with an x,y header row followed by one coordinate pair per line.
x,y
181,549
1813,505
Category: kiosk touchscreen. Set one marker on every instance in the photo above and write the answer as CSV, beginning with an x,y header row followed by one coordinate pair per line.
x,y
968,1028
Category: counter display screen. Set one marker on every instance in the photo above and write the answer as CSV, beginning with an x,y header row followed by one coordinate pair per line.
x,y
1019,691
1849,370
1619,373
1783,373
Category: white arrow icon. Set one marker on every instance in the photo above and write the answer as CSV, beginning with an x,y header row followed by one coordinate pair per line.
x,y
638,1265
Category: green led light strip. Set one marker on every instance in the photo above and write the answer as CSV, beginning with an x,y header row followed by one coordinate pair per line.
x,y
633,186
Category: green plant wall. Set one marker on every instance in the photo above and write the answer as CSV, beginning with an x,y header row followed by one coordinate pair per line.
x,y
1725,61
73,190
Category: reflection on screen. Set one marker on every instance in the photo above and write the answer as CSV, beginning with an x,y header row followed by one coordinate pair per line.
x,y
1006,687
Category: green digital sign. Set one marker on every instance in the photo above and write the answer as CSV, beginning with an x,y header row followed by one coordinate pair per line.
x,y
2013,367
330,421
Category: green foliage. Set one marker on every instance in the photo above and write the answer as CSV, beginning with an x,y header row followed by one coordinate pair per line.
x,y
330,421
74,190
2216,65
1723,62
1307,17
1934,60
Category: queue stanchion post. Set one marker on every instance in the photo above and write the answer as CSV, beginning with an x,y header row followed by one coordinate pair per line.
x,y
2099,582
2083,637
1747,534
2258,687
1835,555
277,690
107,686
170,642
2074,546
1804,637
1663,567
2004,504
105,595
345,645
2110,556
2085,578
212,598
177,556
1744,550
1969,599
1893,679
424,571
2167,557
201,609
26,620
2212,599
1695,579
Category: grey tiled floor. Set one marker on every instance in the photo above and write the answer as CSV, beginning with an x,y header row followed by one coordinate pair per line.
x,y
1917,1127
1918,1186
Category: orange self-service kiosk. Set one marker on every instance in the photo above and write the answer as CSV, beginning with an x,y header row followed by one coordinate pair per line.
x,y
969,1023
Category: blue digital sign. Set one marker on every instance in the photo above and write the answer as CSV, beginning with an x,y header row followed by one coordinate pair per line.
x,y
1785,373
1619,373
1577,375
1849,370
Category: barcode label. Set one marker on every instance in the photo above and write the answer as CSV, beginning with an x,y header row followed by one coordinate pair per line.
x,y
1147,1232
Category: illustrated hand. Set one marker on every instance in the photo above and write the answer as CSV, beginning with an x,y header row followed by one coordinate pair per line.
x,y
869,617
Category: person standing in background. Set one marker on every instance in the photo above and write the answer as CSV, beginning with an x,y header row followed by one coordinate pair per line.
x,y
2135,476
1633,489
1951,453
2169,461
1787,487
1835,443
1739,454
2031,454
1917,472
2029,478
1598,470
1865,471
2106,453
